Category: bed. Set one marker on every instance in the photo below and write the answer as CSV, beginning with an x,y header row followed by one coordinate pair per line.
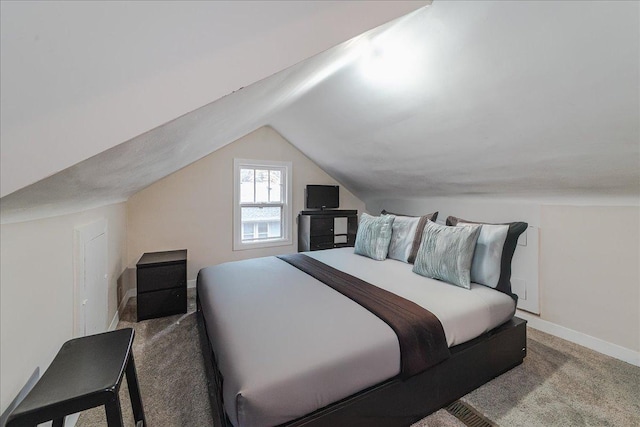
x,y
283,348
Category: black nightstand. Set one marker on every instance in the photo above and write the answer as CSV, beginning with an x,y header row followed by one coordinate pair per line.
x,y
162,284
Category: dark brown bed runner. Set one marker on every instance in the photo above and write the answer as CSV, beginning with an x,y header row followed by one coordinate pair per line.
x,y
420,333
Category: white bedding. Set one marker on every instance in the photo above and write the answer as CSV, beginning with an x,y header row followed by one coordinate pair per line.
x,y
464,314
287,344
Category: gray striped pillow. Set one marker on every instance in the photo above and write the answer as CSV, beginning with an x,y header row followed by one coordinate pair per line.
x,y
374,235
446,253
406,234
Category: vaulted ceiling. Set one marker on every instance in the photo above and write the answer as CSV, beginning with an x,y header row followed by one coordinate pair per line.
x,y
501,99
505,99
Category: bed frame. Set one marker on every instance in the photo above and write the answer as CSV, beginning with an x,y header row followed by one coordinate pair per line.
x,y
397,402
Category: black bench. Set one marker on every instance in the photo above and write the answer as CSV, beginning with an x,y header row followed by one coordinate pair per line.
x,y
87,372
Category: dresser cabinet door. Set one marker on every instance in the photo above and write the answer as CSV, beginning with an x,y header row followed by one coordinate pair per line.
x,y
321,226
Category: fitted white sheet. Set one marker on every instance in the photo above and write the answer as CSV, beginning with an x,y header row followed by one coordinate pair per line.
x,y
464,314
287,344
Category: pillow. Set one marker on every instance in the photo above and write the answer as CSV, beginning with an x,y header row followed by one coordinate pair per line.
x,y
446,252
406,234
487,258
373,236
510,243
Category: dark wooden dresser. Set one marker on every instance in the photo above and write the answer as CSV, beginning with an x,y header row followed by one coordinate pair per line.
x,y
326,229
162,284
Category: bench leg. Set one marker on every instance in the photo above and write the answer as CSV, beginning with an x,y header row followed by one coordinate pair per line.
x,y
114,413
58,422
134,391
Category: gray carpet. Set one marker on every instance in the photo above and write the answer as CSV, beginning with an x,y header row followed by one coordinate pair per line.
x,y
170,372
559,383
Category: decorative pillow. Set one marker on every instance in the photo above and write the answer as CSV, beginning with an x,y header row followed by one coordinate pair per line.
x,y
487,258
446,253
511,241
373,236
406,235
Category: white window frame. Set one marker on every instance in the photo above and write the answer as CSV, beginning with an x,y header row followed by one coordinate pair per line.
x,y
286,239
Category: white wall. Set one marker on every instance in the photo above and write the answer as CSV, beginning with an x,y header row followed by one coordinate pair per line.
x,y
585,264
37,286
193,208
589,271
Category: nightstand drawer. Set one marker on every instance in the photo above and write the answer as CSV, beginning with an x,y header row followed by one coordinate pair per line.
x,y
162,303
161,277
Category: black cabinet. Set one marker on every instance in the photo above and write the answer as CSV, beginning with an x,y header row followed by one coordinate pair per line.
x,y
162,284
326,229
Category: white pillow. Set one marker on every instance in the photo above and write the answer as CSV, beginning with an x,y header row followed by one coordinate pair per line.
x,y
403,232
406,235
487,258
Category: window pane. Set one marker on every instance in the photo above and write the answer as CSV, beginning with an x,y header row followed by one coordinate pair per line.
x,y
263,228
246,186
274,229
262,185
247,231
275,186
260,218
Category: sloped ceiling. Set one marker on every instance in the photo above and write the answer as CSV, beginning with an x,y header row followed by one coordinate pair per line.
x,y
81,77
506,99
501,99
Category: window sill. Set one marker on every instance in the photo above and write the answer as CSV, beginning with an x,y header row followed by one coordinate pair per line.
x,y
240,246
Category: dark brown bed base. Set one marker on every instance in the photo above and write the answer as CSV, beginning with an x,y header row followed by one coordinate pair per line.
x,y
401,402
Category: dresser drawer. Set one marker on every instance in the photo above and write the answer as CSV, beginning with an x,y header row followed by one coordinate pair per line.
x,y
162,303
161,277
322,242
321,226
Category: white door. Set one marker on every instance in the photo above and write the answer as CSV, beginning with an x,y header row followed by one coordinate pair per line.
x,y
91,292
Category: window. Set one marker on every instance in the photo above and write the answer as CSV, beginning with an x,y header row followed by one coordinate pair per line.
x,y
262,204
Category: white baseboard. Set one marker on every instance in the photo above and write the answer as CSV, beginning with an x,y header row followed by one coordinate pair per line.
x,y
116,318
125,299
596,344
191,283
114,322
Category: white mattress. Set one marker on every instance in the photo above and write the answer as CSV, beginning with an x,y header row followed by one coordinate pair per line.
x,y
287,344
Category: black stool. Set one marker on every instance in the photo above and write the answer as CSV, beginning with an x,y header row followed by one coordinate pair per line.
x,y
86,372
